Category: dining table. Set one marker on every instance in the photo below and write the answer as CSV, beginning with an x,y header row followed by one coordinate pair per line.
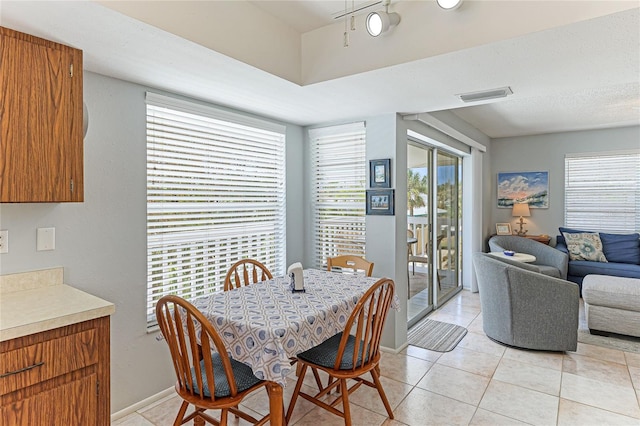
x,y
266,324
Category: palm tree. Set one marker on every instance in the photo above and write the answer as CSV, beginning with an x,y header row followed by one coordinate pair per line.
x,y
416,186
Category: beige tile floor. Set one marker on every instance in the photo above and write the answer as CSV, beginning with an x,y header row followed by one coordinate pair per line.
x,y
478,383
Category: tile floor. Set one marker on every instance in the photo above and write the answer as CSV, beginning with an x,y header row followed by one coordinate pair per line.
x,y
478,383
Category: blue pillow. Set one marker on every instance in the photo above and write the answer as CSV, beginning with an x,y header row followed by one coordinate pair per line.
x,y
621,248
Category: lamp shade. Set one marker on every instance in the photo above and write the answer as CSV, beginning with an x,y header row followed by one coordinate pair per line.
x,y
521,209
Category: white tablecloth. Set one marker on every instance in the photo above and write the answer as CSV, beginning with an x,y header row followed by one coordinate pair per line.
x,y
264,324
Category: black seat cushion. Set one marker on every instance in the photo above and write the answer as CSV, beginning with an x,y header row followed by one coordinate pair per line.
x,y
242,373
325,353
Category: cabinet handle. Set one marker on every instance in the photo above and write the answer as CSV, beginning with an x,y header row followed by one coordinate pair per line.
x,y
11,373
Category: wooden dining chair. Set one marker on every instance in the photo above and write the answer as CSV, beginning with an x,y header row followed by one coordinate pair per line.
x,y
350,262
350,354
246,272
207,377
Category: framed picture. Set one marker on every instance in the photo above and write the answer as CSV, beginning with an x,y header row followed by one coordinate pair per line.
x,y
503,228
380,173
523,187
380,201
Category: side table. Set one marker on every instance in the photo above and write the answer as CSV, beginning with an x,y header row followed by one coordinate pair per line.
x,y
520,257
544,239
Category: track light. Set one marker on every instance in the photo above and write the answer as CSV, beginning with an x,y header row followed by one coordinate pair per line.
x,y
380,22
449,4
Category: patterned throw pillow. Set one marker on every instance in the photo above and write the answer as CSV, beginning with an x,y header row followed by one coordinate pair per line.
x,y
585,246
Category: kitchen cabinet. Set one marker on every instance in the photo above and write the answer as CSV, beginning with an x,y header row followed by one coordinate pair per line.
x,y
54,352
57,377
41,137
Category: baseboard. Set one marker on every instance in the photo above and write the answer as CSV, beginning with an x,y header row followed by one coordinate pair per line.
x,y
394,351
142,404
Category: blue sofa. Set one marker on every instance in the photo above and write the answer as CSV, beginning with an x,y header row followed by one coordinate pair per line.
x,y
621,250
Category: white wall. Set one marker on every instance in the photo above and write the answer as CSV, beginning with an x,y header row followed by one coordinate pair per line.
x,y
101,243
547,152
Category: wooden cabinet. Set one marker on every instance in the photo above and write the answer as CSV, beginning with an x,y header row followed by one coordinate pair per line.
x,y
41,146
57,377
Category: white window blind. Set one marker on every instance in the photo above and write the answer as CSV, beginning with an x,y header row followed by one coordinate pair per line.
x,y
602,191
339,181
215,195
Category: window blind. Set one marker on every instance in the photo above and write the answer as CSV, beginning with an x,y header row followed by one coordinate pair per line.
x,y
215,195
339,182
602,191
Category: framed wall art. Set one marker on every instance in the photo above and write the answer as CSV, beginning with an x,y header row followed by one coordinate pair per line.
x,y
380,173
523,187
380,202
503,228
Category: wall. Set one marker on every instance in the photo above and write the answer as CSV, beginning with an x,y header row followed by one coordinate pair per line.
x,y
547,152
101,243
386,139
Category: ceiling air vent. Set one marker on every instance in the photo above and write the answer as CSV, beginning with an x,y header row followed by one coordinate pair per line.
x,y
486,94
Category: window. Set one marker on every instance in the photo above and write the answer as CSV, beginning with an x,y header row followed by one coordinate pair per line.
x,y
602,191
338,194
215,194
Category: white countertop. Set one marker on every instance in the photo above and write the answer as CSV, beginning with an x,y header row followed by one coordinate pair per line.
x,y
38,301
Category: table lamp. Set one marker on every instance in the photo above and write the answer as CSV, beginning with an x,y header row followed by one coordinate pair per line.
x,y
522,210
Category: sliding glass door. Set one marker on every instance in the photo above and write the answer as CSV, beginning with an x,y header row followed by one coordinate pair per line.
x,y
434,179
449,225
419,225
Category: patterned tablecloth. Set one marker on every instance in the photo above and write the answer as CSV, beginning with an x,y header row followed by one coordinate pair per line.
x,y
265,324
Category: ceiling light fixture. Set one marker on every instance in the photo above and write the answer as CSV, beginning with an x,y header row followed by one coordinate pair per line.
x,y
345,42
449,4
485,94
380,22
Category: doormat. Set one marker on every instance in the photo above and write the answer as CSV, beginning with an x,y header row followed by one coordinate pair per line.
x,y
436,335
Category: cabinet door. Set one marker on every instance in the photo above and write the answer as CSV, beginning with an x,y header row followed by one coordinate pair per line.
x,y
52,407
41,120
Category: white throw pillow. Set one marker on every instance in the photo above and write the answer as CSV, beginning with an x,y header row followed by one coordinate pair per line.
x,y
585,246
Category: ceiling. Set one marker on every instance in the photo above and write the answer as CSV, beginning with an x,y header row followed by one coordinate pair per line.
x,y
566,76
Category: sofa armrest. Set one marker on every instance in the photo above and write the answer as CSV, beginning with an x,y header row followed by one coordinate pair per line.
x,y
562,247
547,255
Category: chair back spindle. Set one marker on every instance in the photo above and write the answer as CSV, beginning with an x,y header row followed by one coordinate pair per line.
x,y
246,272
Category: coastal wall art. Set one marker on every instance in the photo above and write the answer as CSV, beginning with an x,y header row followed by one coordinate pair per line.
x,y
523,187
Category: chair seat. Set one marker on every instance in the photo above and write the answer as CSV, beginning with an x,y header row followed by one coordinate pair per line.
x,y
325,353
243,374
549,270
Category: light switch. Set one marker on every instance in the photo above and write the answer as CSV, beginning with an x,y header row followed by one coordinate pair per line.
x,y
46,239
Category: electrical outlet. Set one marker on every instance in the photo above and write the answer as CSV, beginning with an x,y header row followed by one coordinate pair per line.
x,y
4,241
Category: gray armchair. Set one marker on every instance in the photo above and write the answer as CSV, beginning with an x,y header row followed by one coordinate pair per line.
x,y
524,308
549,261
